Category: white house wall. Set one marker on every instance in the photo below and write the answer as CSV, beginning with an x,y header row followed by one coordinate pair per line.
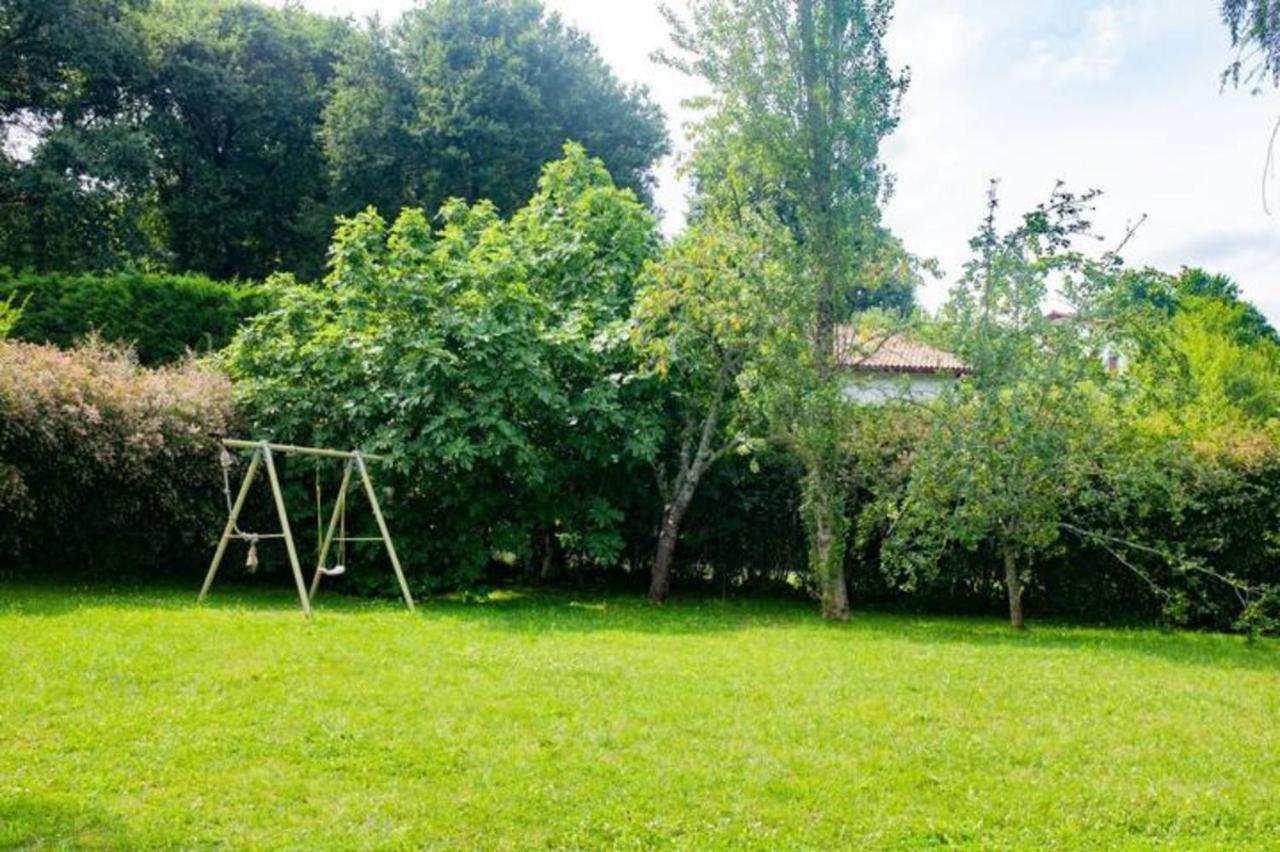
x,y
877,388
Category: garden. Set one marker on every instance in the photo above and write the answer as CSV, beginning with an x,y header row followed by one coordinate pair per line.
x,y
709,539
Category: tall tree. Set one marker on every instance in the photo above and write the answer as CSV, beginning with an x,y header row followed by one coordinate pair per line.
x,y
171,133
236,98
705,318
367,132
75,55
467,99
803,95
71,173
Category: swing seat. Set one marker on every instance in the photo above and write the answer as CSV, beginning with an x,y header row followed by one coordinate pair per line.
x,y
336,571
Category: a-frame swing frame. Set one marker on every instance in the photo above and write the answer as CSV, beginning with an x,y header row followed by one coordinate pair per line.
x,y
263,457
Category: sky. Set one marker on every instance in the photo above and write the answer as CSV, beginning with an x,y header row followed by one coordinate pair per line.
x,y
1123,96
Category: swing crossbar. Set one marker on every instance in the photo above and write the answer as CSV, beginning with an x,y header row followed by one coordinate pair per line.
x,y
237,444
244,536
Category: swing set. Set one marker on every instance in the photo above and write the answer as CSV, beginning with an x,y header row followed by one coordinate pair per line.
x,y
263,456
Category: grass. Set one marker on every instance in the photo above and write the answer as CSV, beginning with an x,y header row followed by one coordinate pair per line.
x,y
137,719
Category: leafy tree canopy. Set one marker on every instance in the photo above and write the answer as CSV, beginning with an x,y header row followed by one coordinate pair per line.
x,y
221,136
1025,439
487,357
468,99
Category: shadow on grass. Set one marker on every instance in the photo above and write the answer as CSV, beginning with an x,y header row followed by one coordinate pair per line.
x,y
1181,647
542,613
28,822
55,599
514,611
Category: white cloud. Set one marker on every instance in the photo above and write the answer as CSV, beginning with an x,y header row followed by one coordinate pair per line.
x,y
1093,53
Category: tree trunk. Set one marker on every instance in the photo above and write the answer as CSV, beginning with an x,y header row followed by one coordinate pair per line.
x,y
826,524
828,554
693,464
548,554
1013,585
672,514
824,234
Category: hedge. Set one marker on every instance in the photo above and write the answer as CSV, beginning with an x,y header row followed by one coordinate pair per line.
x,y
107,467
161,315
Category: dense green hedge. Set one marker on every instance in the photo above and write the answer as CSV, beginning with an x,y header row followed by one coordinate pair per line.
x,y
744,532
161,315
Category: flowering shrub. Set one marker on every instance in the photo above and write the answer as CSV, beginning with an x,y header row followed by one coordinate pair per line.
x,y
106,465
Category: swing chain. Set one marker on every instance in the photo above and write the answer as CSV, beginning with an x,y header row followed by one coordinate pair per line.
x,y
226,461
340,566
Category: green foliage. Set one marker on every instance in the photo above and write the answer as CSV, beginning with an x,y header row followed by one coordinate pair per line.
x,y
1255,34
488,359
803,96
1204,370
137,720
1028,436
468,99
1208,407
10,314
706,317
82,201
1194,285
195,148
65,54
71,179
373,155
236,92
709,312
221,136
161,316
106,467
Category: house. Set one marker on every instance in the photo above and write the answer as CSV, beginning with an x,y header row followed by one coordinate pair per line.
x,y
888,366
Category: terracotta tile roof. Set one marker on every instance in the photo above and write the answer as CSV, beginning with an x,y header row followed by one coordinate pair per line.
x,y
897,353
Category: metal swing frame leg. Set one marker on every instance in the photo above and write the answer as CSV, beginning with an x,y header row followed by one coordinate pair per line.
x,y
358,458
296,567
261,457
338,507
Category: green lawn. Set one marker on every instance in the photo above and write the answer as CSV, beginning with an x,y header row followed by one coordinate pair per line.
x,y
141,720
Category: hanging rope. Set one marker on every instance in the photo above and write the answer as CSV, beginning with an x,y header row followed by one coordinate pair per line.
x,y
341,567
342,531
251,559
319,515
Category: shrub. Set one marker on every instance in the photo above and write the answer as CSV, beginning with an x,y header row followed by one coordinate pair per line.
x,y
106,466
488,359
162,316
